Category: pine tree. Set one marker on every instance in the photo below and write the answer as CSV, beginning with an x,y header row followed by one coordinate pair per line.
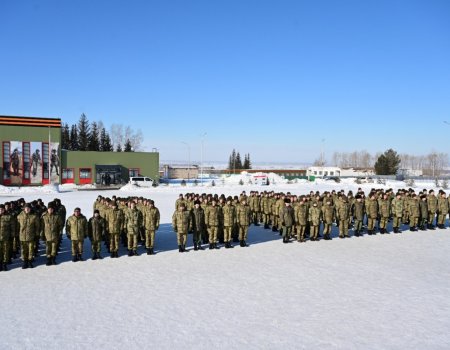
x,y
388,163
73,138
83,133
65,137
247,163
93,143
232,161
238,161
105,142
127,147
119,148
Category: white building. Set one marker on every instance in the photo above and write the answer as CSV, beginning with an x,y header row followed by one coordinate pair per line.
x,y
323,171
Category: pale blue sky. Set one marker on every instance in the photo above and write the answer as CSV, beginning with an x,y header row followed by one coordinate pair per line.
x,y
269,78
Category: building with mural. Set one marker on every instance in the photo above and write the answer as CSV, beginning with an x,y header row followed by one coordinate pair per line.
x,y
32,155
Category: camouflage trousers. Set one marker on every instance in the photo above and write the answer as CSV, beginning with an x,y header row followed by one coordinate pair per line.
x,y
343,228
441,218
358,225
413,221
383,222
51,248
397,221
243,231
370,223
431,217
132,241
287,231
181,238
327,228
266,218
77,247
227,231
114,242
27,250
212,230
314,233
4,251
301,232
96,246
149,238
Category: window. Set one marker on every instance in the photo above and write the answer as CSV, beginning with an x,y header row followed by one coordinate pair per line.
x,y
85,173
133,172
320,172
315,172
26,160
67,174
6,149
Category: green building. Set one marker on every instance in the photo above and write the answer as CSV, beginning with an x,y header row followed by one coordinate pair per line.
x,y
32,155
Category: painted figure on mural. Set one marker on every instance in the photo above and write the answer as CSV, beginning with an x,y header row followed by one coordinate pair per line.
x,y
54,162
15,162
35,161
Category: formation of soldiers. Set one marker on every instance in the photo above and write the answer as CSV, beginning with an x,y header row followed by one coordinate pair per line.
x,y
217,219
212,219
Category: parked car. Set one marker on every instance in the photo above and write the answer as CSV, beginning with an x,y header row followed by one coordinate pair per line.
x,y
141,181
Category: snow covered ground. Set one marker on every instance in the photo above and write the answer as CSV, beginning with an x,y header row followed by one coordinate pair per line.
x,y
375,292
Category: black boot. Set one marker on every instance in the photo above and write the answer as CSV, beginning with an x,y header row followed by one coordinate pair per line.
x,y
113,255
216,246
53,260
211,246
422,228
130,253
195,247
395,229
5,267
135,253
230,245
199,246
49,261
80,258
183,248
180,250
75,258
30,264
94,257
25,264
148,251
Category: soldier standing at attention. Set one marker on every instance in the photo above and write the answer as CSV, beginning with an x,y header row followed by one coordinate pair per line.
x,y
328,217
432,209
212,220
229,219
372,213
51,226
243,219
443,207
397,212
151,225
358,214
181,221
115,226
287,218
28,230
133,223
96,233
6,234
77,231
198,225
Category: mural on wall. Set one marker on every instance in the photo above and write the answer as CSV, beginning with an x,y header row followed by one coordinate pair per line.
x,y
55,163
15,163
36,163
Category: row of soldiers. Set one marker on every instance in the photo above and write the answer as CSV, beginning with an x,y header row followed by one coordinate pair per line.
x,y
22,225
212,218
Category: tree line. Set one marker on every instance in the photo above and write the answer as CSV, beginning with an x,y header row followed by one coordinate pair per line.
x,y
235,161
432,164
93,136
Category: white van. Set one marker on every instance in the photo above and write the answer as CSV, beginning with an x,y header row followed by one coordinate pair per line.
x,y
141,181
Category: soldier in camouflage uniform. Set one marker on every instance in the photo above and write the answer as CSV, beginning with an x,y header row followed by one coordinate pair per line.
x,y
198,225
314,217
181,222
287,218
385,213
229,219
397,212
301,212
423,212
116,221
77,231
51,228
358,214
328,216
432,209
96,233
28,230
443,207
212,220
6,233
343,214
372,213
243,219
151,225
133,224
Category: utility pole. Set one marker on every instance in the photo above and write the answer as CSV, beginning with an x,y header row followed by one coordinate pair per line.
x,y
201,160
189,158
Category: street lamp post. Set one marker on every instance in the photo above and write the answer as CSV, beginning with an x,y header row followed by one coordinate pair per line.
x,y
189,158
201,160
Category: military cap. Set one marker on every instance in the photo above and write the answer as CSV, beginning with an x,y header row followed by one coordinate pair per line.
x,y
27,205
2,206
96,211
51,205
77,209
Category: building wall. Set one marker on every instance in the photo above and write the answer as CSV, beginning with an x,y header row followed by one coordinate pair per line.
x,y
146,163
28,135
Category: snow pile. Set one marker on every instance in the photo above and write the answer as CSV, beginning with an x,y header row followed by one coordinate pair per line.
x,y
248,178
52,188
